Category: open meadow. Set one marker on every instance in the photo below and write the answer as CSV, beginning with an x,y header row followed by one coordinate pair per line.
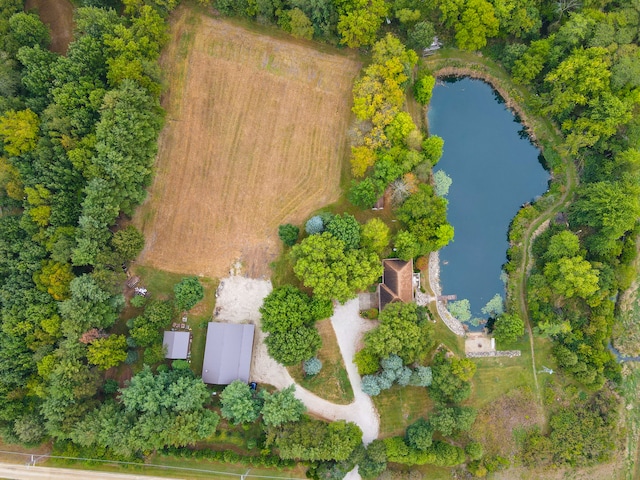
x,y
255,136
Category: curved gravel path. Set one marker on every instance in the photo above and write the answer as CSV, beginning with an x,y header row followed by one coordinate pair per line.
x,y
238,302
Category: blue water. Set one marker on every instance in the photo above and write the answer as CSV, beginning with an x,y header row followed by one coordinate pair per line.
x,y
495,170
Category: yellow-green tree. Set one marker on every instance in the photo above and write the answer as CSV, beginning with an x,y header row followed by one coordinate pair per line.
x,y
361,159
54,278
19,131
107,352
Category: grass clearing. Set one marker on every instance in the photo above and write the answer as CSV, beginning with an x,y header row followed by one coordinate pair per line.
x,y
160,285
255,137
332,383
401,406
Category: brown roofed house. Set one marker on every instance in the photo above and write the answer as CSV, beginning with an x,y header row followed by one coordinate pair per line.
x,y
397,282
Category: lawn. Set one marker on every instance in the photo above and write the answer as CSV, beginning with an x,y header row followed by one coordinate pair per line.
x,y
401,406
255,136
160,285
332,383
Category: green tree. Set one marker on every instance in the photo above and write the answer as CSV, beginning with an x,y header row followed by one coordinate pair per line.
x,y
314,440
128,243
423,88
432,148
421,36
402,331
359,21
322,264
27,30
463,368
375,235
107,352
54,278
420,434
239,404
286,308
447,387
473,21
364,194
295,345
425,216
508,328
346,228
300,24
281,407
449,420
188,292
288,234
406,246
572,277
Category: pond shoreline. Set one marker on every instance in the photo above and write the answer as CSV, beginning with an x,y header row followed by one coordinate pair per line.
x,y
510,103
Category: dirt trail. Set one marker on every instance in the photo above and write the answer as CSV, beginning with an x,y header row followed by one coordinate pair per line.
x,y
530,233
58,16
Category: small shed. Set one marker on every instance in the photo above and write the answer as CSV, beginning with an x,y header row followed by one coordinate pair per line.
x,y
177,344
133,281
227,353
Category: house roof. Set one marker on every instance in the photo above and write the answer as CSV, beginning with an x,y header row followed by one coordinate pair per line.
x,y
227,353
177,344
397,282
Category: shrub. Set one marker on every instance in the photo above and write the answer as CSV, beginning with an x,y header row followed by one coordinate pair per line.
x,y
345,228
366,362
421,377
188,292
132,357
474,450
138,301
288,234
364,194
312,366
314,225
370,385
110,386
404,377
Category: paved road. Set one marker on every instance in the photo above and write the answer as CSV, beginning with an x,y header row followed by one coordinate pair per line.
x,y
22,472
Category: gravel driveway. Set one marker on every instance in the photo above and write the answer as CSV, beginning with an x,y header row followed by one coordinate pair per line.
x,y
238,302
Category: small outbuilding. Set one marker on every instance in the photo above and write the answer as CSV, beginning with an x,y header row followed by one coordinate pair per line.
x,y
177,344
397,282
227,353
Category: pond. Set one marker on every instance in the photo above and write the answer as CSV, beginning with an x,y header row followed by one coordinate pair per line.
x,y
495,170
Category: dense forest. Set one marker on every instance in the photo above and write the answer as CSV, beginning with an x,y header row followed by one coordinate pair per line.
x,y
79,137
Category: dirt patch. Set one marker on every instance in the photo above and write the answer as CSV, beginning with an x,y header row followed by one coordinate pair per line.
x,y
498,422
58,16
255,137
477,342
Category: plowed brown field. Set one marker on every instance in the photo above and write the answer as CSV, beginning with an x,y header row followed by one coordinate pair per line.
x,y
255,137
